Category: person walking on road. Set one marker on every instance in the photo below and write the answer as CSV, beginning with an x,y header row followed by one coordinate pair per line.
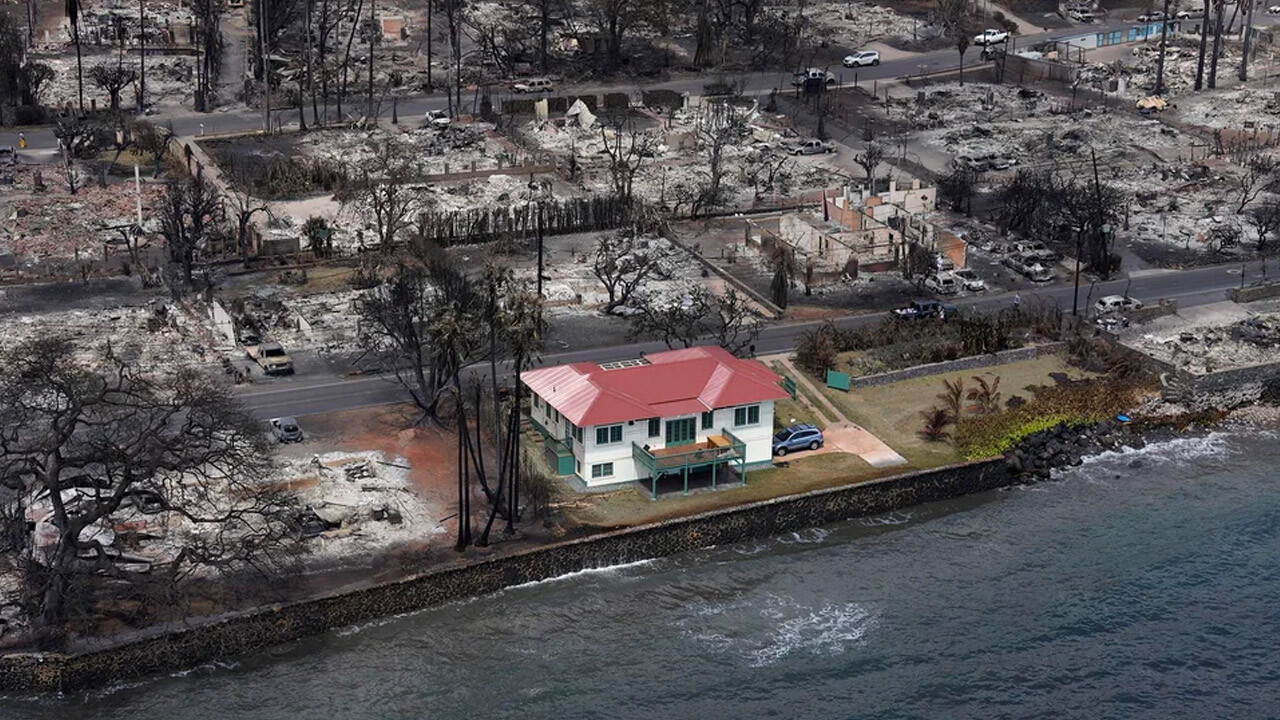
x,y
22,141
1017,301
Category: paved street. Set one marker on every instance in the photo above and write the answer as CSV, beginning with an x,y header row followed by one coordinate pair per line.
x,y
309,396
232,119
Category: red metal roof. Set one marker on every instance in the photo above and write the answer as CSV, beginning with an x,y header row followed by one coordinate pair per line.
x,y
676,382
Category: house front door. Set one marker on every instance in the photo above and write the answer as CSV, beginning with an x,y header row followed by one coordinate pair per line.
x,y
681,432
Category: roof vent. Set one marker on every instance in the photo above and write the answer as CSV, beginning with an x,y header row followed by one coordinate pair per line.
x,y
619,364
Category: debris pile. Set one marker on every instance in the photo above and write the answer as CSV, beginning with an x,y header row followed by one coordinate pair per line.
x,y
1205,349
352,504
156,337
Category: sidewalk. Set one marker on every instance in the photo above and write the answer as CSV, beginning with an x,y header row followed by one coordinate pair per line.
x,y
841,434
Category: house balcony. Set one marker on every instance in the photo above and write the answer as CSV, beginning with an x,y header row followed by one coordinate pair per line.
x,y
720,452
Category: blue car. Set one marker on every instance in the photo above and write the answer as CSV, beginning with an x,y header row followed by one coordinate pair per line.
x,y
797,437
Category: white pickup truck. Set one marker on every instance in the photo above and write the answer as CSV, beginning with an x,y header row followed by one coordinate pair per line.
x,y
271,357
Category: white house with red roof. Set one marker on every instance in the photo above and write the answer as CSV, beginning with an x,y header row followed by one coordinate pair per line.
x,y
669,414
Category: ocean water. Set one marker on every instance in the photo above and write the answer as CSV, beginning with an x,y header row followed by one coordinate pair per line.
x,y
1141,585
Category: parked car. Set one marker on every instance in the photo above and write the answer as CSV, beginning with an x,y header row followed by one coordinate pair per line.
x,y
827,78
271,357
1116,303
943,284
797,437
533,85
1039,251
862,57
1152,16
997,162
1274,10
942,263
436,118
926,309
969,280
811,146
1038,273
286,430
1080,16
976,164
1197,13
991,36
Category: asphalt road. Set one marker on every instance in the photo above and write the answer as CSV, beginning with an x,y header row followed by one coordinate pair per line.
x,y
311,396
41,142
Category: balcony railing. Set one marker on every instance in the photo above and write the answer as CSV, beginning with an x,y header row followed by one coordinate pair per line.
x,y
724,448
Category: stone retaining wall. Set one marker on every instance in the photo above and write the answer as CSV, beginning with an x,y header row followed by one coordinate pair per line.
x,y
261,629
1001,358
1254,293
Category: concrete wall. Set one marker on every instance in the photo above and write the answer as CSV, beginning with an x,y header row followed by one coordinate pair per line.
x,y
259,630
1254,292
1001,358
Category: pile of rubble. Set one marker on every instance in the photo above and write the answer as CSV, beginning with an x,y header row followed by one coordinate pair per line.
x,y
353,504
43,222
853,23
1237,109
1205,349
169,80
435,149
326,322
156,337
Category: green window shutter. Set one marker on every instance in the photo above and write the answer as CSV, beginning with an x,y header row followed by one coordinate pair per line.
x,y
655,427
739,416
753,414
708,419
615,434
602,436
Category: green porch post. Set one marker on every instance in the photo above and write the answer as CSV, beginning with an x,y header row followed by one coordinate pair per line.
x,y
653,479
713,474
686,477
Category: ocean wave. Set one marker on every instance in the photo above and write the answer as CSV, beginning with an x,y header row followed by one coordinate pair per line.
x,y
808,536
786,628
1175,450
900,517
604,570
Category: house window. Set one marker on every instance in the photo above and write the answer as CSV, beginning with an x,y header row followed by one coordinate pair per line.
x,y
749,415
577,433
602,470
537,401
655,427
708,419
608,434
577,466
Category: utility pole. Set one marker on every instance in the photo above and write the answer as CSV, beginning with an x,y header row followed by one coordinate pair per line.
x,y
142,55
1164,41
265,52
73,8
31,23
374,31
311,81
1248,43
430,11
1220,7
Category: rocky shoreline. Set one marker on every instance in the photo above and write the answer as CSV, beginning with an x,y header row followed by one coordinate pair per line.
x,y
1068,444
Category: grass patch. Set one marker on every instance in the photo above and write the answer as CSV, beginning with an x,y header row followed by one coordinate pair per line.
x,y
892,412
785,412
631,505
984,436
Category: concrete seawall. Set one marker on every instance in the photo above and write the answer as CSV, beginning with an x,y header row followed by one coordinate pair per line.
x,y
260,629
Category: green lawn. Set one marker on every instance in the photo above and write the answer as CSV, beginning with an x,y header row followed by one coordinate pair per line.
x,y
892,412
633,506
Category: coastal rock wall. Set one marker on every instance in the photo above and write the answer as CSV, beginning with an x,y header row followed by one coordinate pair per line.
x,y
257,630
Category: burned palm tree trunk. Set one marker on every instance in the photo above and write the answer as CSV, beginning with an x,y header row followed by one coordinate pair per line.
x,y
1204,42
1217,43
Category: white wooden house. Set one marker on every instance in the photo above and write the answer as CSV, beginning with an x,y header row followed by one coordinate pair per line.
x,y
675,413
